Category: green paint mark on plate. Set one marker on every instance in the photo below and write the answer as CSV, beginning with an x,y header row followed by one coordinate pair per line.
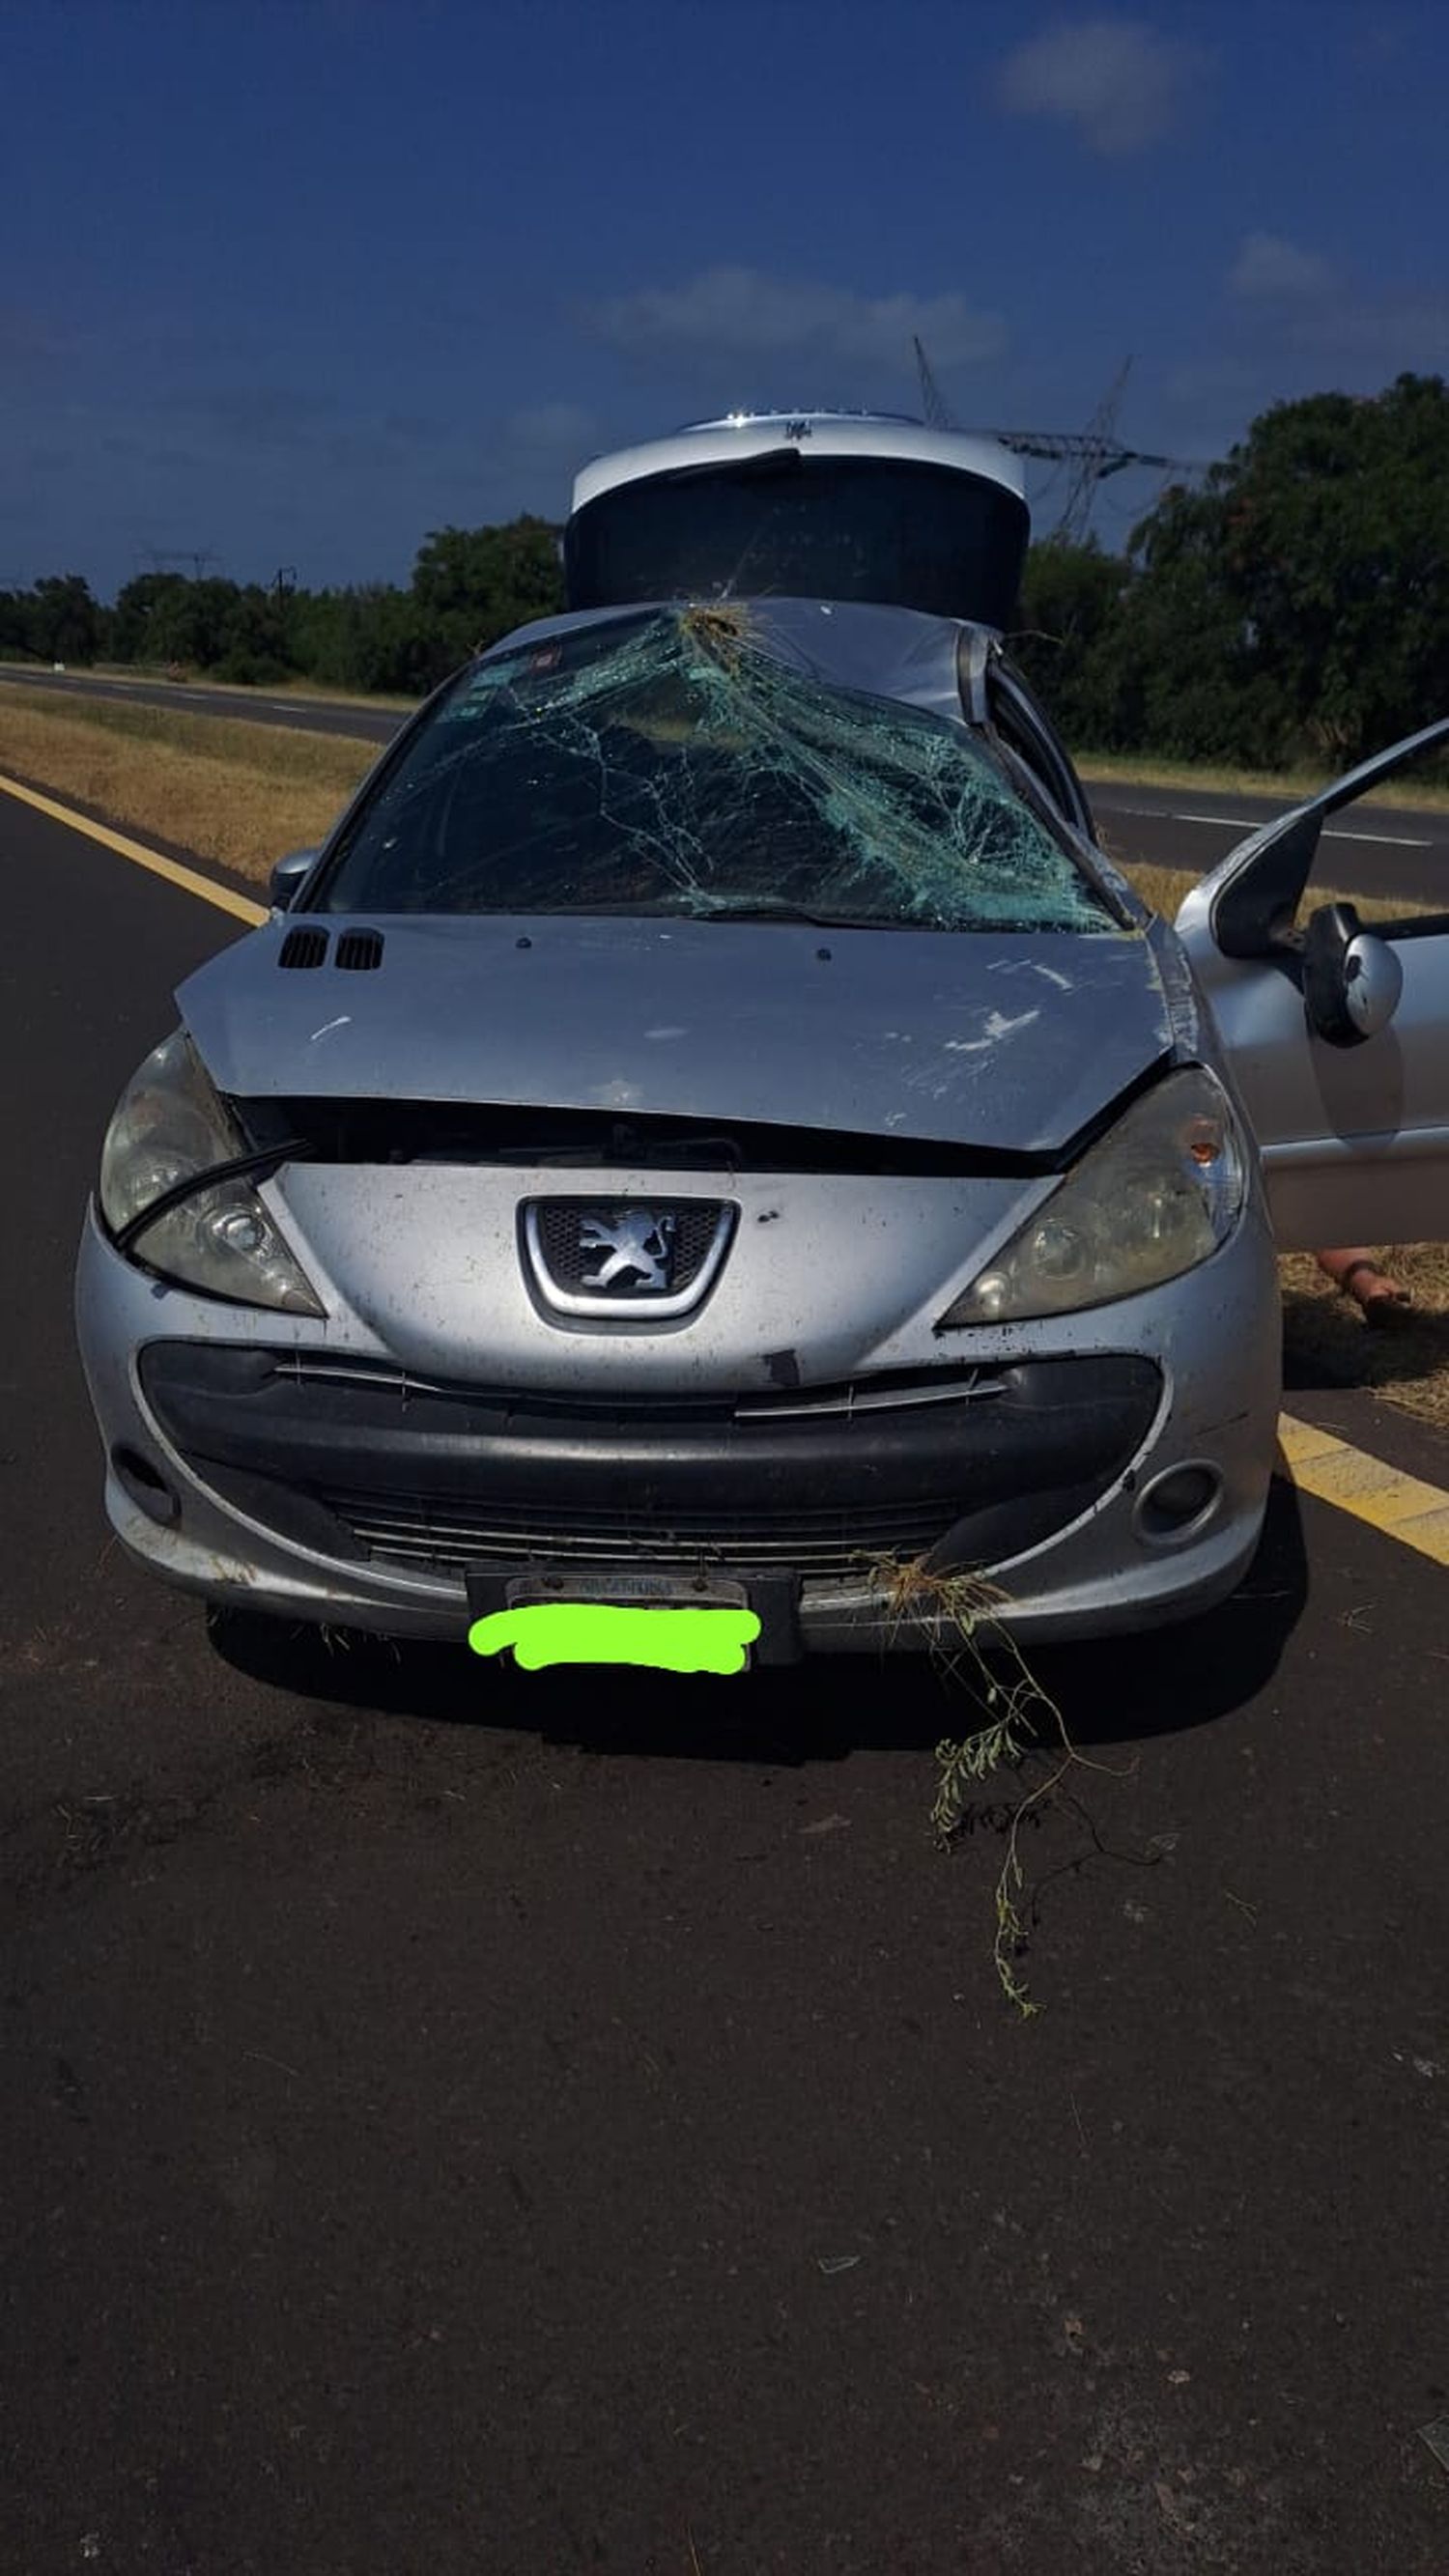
x,y
605,1632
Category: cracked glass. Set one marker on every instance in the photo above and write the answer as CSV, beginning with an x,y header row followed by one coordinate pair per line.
x,y
674,764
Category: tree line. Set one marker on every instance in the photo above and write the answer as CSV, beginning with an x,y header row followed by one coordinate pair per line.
x,y
468,586
1293,605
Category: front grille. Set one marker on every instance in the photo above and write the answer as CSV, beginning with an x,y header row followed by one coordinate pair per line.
x,y
884,1391
683,1240
444,1537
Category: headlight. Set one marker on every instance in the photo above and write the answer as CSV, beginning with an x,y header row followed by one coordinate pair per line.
x,y
169,1126
1158,1194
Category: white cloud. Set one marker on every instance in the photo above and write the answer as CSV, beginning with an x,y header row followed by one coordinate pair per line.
x,y
1314,310
1118,81
1270,270
549,430
734,313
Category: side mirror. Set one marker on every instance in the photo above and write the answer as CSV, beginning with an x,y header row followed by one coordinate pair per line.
x,y
1351,980
287,877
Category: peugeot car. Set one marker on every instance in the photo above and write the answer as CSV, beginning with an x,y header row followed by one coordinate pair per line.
x,y
711,1125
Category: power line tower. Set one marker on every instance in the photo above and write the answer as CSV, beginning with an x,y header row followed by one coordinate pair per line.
x,y
933,403
1091,454
197,556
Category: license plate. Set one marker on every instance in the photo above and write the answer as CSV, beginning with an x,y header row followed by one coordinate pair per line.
x,y
672,1622
629,1590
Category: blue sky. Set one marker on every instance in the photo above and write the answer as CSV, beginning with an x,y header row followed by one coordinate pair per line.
x,y
297,280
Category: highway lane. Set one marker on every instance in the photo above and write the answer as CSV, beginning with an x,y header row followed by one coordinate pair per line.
x,y
253,706
1374,849
470,2122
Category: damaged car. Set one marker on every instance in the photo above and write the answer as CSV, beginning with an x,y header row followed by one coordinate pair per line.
x,y
711,1125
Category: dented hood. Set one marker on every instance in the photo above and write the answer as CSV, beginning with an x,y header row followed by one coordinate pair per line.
x,y
1007,1041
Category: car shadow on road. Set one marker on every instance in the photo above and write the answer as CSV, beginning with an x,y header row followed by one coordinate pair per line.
x,y
1111,1691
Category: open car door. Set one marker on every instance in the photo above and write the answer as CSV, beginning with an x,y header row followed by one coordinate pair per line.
x,y
1336,1030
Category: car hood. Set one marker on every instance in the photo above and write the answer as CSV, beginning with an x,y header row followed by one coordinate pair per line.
x,y
1008,1041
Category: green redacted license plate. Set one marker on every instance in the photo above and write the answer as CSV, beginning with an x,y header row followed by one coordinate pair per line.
x,y
663,1621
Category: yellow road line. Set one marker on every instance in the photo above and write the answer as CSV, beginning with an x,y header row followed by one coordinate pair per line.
x,y
1403,1507
190,879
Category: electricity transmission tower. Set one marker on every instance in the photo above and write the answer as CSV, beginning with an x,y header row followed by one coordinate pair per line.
x,y
197,556
1091,454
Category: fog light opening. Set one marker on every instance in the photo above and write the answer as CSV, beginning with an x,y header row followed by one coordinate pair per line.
x,y
146,1487
1178,1504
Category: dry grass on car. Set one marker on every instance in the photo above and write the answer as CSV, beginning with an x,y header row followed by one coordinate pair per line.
x,y
236,793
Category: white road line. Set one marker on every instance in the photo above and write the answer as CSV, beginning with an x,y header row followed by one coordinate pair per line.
x,y
1255,822
1385,840
1222,822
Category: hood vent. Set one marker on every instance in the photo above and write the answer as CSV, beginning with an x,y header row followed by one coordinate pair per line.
x,y
359,951
303,948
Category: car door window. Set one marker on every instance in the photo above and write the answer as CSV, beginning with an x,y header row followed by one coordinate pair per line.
x,y
1029,739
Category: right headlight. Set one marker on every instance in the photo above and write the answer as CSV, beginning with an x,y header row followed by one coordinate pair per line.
x,y
1153,1197
170,1129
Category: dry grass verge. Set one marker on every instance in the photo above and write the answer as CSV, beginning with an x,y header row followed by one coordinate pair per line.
x,y
1166,889
1406,1361
1286,786
238,794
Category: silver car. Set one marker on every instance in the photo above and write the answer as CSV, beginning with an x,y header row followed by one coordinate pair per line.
x,y
711,1125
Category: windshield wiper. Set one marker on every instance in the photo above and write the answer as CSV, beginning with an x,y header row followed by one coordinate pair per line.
x,y
774,908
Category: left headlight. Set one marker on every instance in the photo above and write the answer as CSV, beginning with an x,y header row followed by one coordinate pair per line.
x,y
170,1126
1152,1198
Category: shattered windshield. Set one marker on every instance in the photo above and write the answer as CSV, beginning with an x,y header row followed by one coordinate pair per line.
x,y
668,764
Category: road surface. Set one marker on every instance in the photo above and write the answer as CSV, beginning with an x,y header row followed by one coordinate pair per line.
x,y
461,2124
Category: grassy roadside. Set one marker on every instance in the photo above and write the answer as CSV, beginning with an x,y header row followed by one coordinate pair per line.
x,y
1166,889
240,794
1103,769
235,793
138,676
1097,768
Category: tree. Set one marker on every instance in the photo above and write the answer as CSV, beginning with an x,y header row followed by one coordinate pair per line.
x,y
1337,543
64,620
1301,598
1072,605
472,585
139,615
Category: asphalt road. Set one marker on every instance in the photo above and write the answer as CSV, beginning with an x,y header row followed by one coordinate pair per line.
x,y
460,2125
256,706
1370,849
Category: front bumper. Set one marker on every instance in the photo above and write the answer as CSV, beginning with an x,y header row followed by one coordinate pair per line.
x,y
257,1463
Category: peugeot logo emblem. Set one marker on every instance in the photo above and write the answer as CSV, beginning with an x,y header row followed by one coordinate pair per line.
x,y
645,1261
637,1247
